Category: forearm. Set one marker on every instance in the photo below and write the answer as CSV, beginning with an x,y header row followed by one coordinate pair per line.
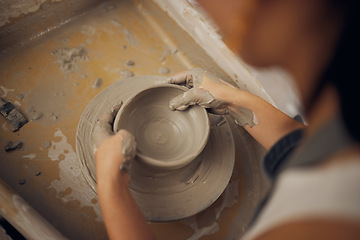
x,y
271,123
123,218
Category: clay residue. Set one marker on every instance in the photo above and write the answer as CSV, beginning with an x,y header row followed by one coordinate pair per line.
x,y
20,96
32,114
130,38
30,156
13,145
126,74
97,83
5,91
128,151
46,144
88,30
11,9
173,50
107,6
116,22
22,181
68,58
129,63
164,70
243,116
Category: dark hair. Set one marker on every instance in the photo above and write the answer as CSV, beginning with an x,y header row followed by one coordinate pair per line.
x,y
343,69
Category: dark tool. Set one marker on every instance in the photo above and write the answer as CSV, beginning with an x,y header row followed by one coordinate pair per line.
x,y
12,114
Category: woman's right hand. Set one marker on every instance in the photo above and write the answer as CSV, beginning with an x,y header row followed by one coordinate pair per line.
x,y
206,91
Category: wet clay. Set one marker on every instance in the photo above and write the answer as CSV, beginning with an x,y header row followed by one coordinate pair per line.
x,y
243,116
165,138
162,195
128,150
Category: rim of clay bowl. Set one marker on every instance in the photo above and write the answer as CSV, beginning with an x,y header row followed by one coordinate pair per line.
x,y
158,163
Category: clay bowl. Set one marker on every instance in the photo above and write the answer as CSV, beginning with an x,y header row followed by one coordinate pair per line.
x,y
165,139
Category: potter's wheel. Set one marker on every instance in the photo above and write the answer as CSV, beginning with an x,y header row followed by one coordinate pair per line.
x,y
162,195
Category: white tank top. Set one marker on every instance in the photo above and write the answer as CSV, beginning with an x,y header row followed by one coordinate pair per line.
x,y
331,191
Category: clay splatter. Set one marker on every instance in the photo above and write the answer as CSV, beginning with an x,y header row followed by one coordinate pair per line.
x,y
88,30
54,116
4,91
68,58
116,22
33,114
243,116
130,38
20,96
97,83
30,156
108,7
129,63
13,145
126,73
164,70
46,144
21,181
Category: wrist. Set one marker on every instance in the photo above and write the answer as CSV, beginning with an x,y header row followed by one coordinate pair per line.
x,y
236,97
113,178
225,93
108,162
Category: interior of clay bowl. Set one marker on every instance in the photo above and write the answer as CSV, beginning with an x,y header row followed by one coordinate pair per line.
x,y
165,138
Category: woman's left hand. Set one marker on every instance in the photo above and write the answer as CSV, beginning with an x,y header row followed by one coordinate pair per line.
x,y
205,90
113,152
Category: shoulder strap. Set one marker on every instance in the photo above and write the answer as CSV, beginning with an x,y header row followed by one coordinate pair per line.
x,y
331,138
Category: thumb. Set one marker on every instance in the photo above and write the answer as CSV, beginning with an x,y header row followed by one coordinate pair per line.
x,y
104,126
128,144
128,149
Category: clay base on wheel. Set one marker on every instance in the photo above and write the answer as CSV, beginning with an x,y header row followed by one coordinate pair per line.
x,y
162,195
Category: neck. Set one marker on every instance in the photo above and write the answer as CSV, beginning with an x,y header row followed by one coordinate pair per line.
x,y
308,60
312,52
325,108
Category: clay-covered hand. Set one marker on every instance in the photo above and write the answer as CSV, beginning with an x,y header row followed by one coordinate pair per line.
x,y
112,151
201,83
